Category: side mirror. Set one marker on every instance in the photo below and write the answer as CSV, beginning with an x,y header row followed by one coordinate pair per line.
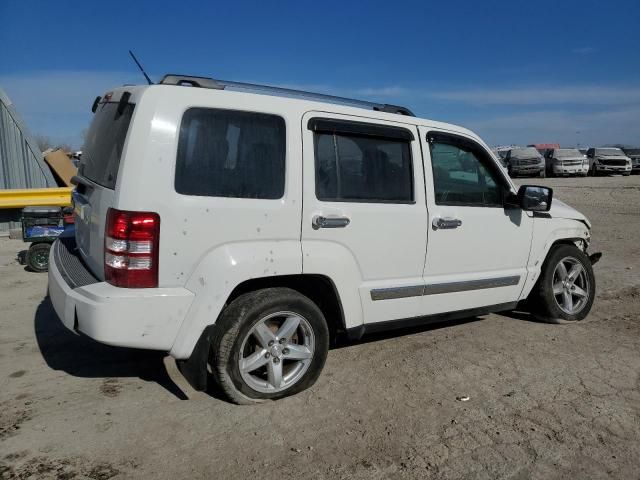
x,y
535,198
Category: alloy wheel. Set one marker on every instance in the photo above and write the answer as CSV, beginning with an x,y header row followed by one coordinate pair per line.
x,y
571,287
277,352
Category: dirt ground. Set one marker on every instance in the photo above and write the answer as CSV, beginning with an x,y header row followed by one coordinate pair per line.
x,y
546,401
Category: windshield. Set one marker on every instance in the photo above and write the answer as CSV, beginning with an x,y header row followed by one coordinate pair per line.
x,y
567,152
104,143
614,152
525,153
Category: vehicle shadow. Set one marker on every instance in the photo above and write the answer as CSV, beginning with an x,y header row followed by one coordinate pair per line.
x,y
428,326
520,315
81,356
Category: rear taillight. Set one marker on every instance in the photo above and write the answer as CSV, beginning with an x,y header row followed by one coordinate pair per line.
x,y
131,244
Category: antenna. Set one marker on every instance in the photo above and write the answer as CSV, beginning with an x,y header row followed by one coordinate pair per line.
x,y
140,67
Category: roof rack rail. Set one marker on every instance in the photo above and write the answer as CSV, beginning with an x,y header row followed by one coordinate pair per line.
x,y
186,80
205,82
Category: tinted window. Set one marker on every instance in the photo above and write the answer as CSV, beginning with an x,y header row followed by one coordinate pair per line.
x,y
567,152
104,143
362,168
613,152
461,176
227,153
525,153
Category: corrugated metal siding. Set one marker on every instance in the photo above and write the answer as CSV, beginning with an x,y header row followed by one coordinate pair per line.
x,y
21,163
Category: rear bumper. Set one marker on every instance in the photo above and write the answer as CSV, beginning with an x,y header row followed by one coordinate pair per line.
x,y
128,317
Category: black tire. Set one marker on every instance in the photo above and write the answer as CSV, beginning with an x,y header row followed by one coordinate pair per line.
x,y
235,323
37,258
626,174
542,174
542,299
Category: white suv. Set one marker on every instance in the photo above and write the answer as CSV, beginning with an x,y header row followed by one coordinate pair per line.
x,y
243,228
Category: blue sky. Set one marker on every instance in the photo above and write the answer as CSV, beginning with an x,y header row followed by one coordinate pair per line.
x,y
513,71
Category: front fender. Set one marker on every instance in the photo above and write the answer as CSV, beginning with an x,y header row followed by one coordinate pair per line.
x,y
223,269
546,232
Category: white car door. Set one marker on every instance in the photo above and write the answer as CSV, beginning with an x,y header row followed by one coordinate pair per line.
x,y
477,250
364,220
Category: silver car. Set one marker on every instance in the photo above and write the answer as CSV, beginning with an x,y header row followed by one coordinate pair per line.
x,y
565,162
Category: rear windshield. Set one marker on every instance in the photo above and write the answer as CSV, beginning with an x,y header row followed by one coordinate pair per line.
x,y
104,143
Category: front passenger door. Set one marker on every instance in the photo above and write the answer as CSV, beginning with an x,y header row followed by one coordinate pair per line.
x,y
477,250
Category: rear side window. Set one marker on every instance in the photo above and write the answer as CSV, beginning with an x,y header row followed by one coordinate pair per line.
x,y
228,153
104,143
358,167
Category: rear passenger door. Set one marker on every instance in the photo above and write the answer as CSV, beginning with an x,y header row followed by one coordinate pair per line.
x,y
478,250
364,221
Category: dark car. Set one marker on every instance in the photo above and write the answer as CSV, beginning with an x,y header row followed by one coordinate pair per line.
x,y
608,160
525,162
634,155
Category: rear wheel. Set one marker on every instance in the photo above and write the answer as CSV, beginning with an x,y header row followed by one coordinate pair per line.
x,y
566,288
269,344
37,258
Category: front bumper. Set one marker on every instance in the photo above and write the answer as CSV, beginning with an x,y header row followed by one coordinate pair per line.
x,y
128,317
598,167
527,170
570,169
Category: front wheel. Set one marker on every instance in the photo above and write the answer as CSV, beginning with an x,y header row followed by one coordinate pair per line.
x,y
566,288
268,344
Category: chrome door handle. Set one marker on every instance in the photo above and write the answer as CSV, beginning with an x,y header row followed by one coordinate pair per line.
x,y
329,222
445,223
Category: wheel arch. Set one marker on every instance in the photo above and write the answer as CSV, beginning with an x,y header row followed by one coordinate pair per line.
x,y
318,288
547,234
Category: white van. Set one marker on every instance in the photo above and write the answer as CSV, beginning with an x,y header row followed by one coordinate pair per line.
x,y
242,228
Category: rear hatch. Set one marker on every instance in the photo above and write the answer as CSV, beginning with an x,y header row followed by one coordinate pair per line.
x,y
97,176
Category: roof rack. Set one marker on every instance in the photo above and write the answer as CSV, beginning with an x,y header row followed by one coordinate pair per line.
x,y
205,82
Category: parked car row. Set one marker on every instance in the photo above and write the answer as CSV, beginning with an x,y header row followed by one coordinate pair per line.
x,y
557,162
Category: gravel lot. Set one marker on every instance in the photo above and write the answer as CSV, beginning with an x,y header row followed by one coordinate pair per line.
x,y
546,401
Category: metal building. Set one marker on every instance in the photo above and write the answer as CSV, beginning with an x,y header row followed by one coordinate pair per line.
x,y
21,162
